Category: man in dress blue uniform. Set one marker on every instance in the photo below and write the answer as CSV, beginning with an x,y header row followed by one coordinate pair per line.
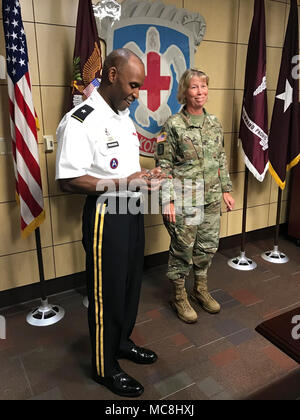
x,y
98,153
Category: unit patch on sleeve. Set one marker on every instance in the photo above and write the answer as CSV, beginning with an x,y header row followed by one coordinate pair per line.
x,y
81,113
160,149
114,163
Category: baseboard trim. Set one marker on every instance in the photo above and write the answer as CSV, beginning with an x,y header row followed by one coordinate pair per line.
x,y
75,281
254,235
33,291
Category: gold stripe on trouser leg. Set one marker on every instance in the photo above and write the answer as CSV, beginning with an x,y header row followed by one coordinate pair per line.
x,y
98,296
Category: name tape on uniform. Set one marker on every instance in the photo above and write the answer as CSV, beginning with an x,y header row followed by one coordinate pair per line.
x,y
112,144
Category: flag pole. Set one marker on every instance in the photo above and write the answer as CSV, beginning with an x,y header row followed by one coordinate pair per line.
x,y
87,45
254,120
278,216
284,146
25,144
46,314
40,263
244,221
242,262
276,256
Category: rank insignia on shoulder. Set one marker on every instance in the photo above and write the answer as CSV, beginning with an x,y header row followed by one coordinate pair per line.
x,y
162,137
81,113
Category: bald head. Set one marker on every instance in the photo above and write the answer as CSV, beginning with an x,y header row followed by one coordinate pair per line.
x,y
122,77
118,59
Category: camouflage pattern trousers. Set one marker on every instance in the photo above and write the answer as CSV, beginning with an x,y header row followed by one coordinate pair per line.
x,y
193,245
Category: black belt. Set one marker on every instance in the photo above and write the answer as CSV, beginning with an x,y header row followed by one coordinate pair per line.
x,y
117,204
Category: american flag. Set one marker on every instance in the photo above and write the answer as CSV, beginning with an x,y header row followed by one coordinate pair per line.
x,y
22,120
91,87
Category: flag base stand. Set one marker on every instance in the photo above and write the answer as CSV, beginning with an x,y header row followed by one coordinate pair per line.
x,y
242,263
275,256
45,315
85,302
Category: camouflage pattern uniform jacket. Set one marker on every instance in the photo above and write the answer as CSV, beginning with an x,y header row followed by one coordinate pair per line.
x,y
191,150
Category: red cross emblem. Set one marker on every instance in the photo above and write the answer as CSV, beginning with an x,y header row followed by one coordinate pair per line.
x,y
154,82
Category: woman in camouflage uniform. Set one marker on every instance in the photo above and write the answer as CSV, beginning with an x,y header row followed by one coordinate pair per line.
x,y
190,148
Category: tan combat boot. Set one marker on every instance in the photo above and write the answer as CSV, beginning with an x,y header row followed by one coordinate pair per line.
x,y
201,295
180,303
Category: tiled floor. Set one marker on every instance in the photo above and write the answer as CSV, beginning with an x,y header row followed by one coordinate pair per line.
x,y
219,357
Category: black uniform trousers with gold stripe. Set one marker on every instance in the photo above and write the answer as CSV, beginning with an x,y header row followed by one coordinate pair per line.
x,y
114,245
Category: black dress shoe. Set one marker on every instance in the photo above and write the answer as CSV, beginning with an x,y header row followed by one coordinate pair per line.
x,y
121,384
139,355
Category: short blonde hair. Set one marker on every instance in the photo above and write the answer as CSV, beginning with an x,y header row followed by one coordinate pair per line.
x,y
184,82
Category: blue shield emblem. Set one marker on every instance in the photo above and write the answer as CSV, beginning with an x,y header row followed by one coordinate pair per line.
x,y
166,50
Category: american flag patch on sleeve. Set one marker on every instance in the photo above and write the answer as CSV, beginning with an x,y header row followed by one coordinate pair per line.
x,y
162,137
90,88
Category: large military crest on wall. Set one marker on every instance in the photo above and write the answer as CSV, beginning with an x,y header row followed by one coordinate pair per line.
x,y
165,38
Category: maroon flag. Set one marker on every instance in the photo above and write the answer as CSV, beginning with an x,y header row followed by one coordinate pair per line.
x,y
284,143
87,52
254,119
22,121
